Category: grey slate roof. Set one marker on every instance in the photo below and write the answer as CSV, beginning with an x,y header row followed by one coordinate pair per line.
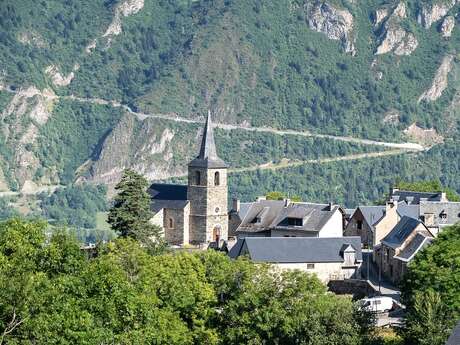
x,y
207,157
451,209
419,242
401,231
167,196
412,197
372,214
273,214
405,209
296,249
454,338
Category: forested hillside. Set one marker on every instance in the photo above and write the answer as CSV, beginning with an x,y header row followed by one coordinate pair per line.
x,y
90,88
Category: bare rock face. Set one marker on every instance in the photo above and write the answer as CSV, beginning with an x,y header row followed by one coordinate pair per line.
x,y
146,146
29,109
336,24
394,38
447,26
380,15
425,137
430,14
440,81
124,9
57,78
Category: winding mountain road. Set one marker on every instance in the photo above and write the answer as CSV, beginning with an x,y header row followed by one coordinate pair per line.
x,y
173,117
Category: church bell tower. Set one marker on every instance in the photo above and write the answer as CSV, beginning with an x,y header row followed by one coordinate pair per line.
x,y
207,192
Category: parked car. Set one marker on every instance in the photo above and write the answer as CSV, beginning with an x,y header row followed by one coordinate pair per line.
x,y
380,304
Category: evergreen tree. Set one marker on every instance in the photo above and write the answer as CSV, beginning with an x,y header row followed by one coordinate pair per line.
x,y
130,215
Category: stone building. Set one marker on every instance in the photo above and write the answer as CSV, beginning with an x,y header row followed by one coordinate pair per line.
x,y
372,223
400,246
196,213
284,218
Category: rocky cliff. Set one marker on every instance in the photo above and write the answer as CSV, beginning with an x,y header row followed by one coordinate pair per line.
x,y
440,80
335,23
394,37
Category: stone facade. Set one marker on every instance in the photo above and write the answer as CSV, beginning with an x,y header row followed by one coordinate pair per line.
x,y
176,224
207,192
373,229
198,212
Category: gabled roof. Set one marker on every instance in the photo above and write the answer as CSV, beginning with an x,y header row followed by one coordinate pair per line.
x,y
450,209
372,214
405,209
273,214
207,157
401,231
296,249
167,196
412,197
419,242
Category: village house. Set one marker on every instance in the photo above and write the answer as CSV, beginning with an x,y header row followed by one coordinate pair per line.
x,y
399,247
372,223
333,258
284,218
432,208
196,213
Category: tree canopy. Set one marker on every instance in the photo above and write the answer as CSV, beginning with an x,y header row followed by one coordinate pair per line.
x,y
130,215
431,290
52,292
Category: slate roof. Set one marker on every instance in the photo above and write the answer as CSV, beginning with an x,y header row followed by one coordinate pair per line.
x,y
419,242
451,209
296,249
273,214
207,157
454,338
372,214
404,209
412,197
167,196
400,232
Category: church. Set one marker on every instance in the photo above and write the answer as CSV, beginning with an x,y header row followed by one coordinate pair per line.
x,y
196,213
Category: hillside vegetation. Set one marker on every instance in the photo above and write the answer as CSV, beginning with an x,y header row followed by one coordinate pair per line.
x,y
367,69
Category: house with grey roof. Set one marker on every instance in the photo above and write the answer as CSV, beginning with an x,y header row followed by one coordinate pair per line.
x,y
438,215
330,258
196,213
372,223
399,247
283,218
414,198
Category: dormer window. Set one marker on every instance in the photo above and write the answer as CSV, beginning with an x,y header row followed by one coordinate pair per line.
x,y
443,215
256,220
295,221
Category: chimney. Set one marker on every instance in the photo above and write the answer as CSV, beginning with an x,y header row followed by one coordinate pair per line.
x,y
443,197
330,205
390,204
287,202
259,198
236,205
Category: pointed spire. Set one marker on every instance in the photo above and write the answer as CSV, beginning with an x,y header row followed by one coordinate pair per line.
x,y
207,156
208,146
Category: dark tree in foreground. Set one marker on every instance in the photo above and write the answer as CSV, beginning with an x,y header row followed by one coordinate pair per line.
x,y
130,215
431,290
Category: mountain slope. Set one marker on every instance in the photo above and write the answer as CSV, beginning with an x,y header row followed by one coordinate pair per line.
x,y
367,69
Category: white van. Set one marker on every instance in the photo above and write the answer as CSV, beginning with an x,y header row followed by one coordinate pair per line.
x,y
378,304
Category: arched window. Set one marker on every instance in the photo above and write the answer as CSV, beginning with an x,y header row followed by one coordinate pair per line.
x,y
171,223
216,178
198,178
